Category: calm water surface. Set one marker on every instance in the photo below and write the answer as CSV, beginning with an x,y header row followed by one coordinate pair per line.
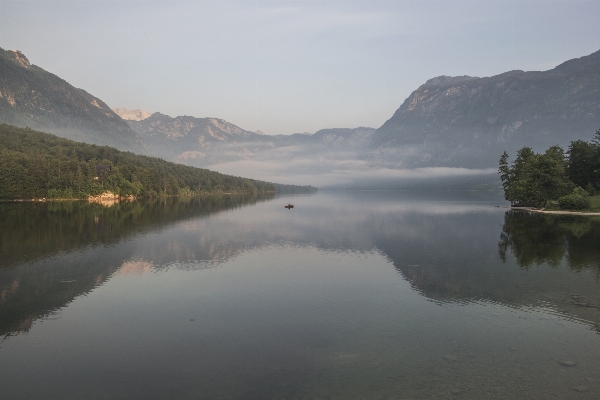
x,y
365,295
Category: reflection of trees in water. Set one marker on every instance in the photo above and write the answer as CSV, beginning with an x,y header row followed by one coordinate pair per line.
x,y
535,238
52,253
33,230
453,259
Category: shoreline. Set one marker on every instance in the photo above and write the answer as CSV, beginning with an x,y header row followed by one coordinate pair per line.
x,y
43,200
564,212
557,212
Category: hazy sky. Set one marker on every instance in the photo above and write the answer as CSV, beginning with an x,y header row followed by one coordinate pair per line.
x,y
289,66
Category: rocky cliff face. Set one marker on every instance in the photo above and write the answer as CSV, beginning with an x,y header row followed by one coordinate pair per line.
x,y
469,121
31,96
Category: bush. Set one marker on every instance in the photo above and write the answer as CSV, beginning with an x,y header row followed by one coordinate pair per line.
x,y
577,200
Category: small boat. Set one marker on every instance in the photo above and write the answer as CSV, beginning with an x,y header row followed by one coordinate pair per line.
x,y
289,206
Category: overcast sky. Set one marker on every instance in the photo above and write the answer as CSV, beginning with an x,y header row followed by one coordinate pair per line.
x,y
289,66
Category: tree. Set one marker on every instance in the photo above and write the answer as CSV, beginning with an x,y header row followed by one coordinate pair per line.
x,y
596,138
505,175
534,179
551,174
581,164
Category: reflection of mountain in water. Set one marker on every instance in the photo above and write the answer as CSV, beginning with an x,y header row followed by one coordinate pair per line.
x,y
52,253
447,250
556,261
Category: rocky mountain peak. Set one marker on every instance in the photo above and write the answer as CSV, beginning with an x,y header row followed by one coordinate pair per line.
x,y
20,58
132,115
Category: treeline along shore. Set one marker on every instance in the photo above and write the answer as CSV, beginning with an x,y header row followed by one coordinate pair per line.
x,y
40,165
554,179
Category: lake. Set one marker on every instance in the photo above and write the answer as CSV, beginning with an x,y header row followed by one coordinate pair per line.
x,y
349,295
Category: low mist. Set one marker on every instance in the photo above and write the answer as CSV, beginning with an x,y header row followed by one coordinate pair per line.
x,y
327,172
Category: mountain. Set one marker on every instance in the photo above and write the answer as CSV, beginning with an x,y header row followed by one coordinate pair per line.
x,y
459,121
342,139
209,141
188,138
32,97
132,115
469,121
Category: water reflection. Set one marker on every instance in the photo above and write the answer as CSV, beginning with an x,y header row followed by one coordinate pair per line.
x,y
446,249
536,239
52,253
348,295
35,230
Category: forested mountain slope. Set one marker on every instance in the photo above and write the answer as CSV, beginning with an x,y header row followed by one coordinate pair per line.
x,y
37,164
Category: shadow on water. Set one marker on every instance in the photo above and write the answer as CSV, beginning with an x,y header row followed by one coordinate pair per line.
x,y
52,253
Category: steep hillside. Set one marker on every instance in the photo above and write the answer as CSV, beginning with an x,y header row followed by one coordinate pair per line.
x,y
468,121
33,97
36,164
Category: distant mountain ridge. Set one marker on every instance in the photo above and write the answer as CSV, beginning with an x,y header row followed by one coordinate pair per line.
x,y
186,138
207,141
469,121
32,97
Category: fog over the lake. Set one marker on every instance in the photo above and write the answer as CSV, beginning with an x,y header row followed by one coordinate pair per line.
x,y
332,170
